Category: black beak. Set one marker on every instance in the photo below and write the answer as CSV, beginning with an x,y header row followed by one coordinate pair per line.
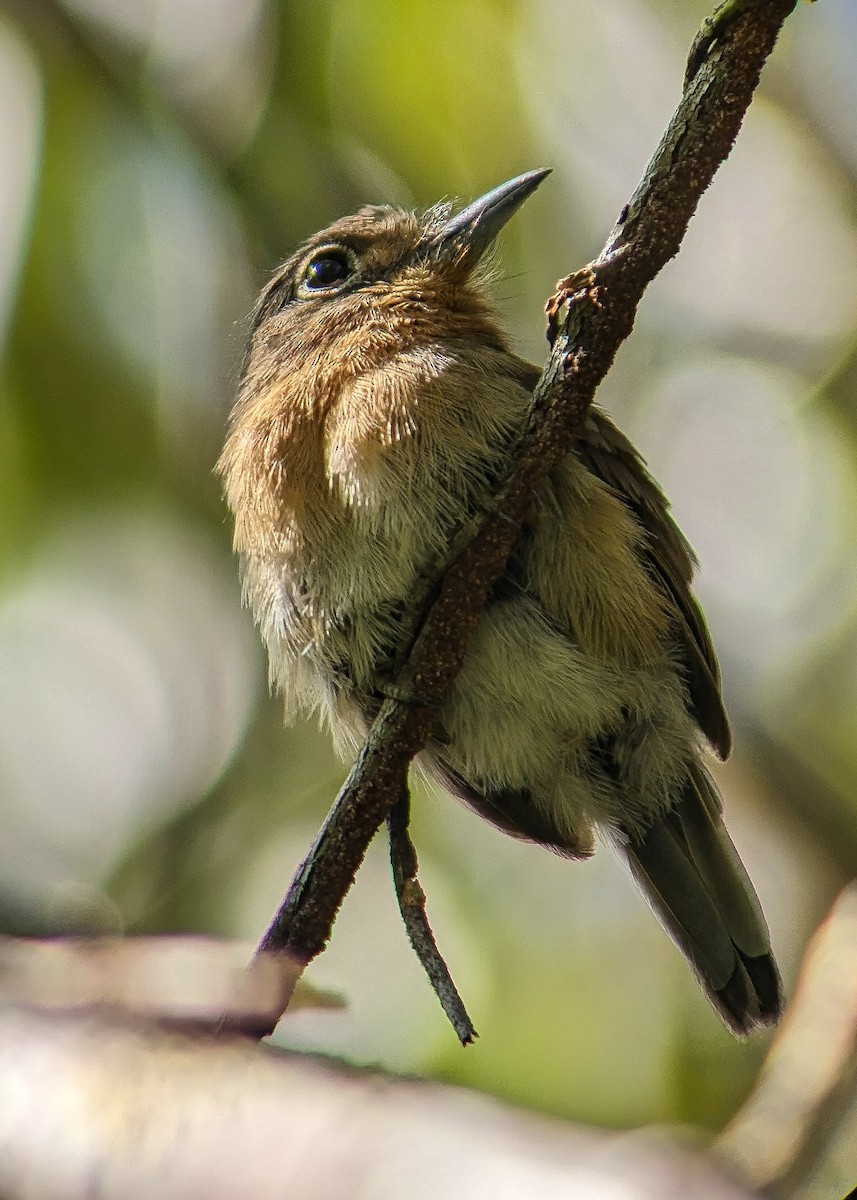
x,y
466,236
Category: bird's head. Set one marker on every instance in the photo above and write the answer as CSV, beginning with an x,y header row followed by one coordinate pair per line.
x,y
382,279
374,302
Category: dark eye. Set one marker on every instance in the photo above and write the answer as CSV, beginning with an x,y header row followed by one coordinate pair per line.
x,y
327,269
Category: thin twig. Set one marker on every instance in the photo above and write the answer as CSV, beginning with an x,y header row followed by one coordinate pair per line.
x,y
590,316
412,905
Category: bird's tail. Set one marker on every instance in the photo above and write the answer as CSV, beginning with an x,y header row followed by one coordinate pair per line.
x,y
689,869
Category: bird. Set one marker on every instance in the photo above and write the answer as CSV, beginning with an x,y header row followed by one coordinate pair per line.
x,y
379,403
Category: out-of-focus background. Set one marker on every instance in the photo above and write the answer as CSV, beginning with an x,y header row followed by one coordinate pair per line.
x,y
157,159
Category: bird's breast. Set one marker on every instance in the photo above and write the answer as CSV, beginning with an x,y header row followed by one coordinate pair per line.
x,y
345,496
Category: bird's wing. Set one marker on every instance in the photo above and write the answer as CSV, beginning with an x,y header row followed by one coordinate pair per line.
x,y
609,455
510,809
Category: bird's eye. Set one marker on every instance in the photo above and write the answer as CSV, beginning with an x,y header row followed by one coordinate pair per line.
x,y
327,269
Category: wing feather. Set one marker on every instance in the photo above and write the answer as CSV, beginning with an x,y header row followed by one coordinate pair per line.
x,y
609,455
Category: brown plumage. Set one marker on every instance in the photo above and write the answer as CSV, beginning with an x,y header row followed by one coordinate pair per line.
x,y
378,404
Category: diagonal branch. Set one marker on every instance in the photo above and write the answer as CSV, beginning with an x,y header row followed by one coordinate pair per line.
x,y
590,315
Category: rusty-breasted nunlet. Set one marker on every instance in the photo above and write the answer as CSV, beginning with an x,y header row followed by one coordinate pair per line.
x,y
378,403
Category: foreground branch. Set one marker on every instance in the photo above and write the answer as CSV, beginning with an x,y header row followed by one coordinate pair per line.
x,y
590,316
122,1111
90,1057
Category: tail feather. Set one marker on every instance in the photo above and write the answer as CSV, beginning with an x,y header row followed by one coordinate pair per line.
x,y
720,867
690,870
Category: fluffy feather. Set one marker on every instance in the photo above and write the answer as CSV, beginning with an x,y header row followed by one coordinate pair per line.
x,y
371,422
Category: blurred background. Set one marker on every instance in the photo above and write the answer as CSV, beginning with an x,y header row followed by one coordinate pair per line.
x,y
157,159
